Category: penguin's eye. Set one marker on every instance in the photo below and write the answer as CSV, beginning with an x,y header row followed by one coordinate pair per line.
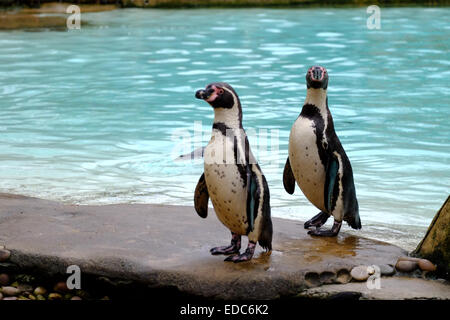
x,y
220,91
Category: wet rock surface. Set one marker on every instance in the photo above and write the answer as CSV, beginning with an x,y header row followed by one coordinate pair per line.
x,y
168,246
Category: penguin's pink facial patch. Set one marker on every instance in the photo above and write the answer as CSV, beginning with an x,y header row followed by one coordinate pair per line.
x,y
217,92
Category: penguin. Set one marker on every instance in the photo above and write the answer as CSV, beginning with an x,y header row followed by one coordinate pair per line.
x,y
318,163
232,178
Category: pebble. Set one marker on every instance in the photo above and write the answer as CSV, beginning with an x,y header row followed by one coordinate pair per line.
x,y
343,276
40,297
4,255
23,287
40,291
1,296
10,291
54,296
75,298
360,273
426,265
9,298
4,279
61,287
408,259
387,270
406,265
31,297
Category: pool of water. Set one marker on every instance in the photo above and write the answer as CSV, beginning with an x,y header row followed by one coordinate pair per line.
x,y
98,115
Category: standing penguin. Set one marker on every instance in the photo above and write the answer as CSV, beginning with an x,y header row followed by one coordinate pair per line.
x,y
317,161
232,178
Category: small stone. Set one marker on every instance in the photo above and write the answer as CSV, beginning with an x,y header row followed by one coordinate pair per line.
x,y
10,291
83,294
426,265
343,276
67,296
409,259
9,298
387,270
1,296
40,297
61,287
22,298
54,296
31,297
105,298
4,279
40,291
360,273
23,287
15,284
406,265
76,298
4,255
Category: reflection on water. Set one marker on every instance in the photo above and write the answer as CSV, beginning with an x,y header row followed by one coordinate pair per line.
x,y
89,116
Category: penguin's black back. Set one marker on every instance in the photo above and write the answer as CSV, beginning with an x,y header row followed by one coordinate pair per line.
x,y
351,208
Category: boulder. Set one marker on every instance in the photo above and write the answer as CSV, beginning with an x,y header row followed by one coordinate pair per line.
x,y
435,246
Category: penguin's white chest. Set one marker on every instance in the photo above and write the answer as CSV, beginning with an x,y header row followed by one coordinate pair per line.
x,y
225,185
305,161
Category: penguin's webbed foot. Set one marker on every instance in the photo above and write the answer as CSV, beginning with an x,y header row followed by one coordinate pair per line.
x,y
246,256
317,221
233,248
327,233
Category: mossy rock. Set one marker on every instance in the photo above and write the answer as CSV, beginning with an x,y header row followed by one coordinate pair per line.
x,y
435,246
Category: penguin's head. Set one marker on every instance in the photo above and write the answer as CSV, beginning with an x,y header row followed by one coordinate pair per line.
x,y
317,78
218,95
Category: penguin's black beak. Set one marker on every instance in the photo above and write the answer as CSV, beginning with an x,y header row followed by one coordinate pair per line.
x,y
317,77
200,94
204,94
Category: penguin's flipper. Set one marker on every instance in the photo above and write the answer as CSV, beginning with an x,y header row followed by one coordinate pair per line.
x,y
201,197
330,180
288,178
196,154
258,204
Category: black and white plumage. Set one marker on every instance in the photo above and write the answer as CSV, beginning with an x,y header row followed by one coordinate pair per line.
x,y
318,163
232,178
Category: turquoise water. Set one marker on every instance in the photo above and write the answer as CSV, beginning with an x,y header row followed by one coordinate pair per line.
x,y
91,116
